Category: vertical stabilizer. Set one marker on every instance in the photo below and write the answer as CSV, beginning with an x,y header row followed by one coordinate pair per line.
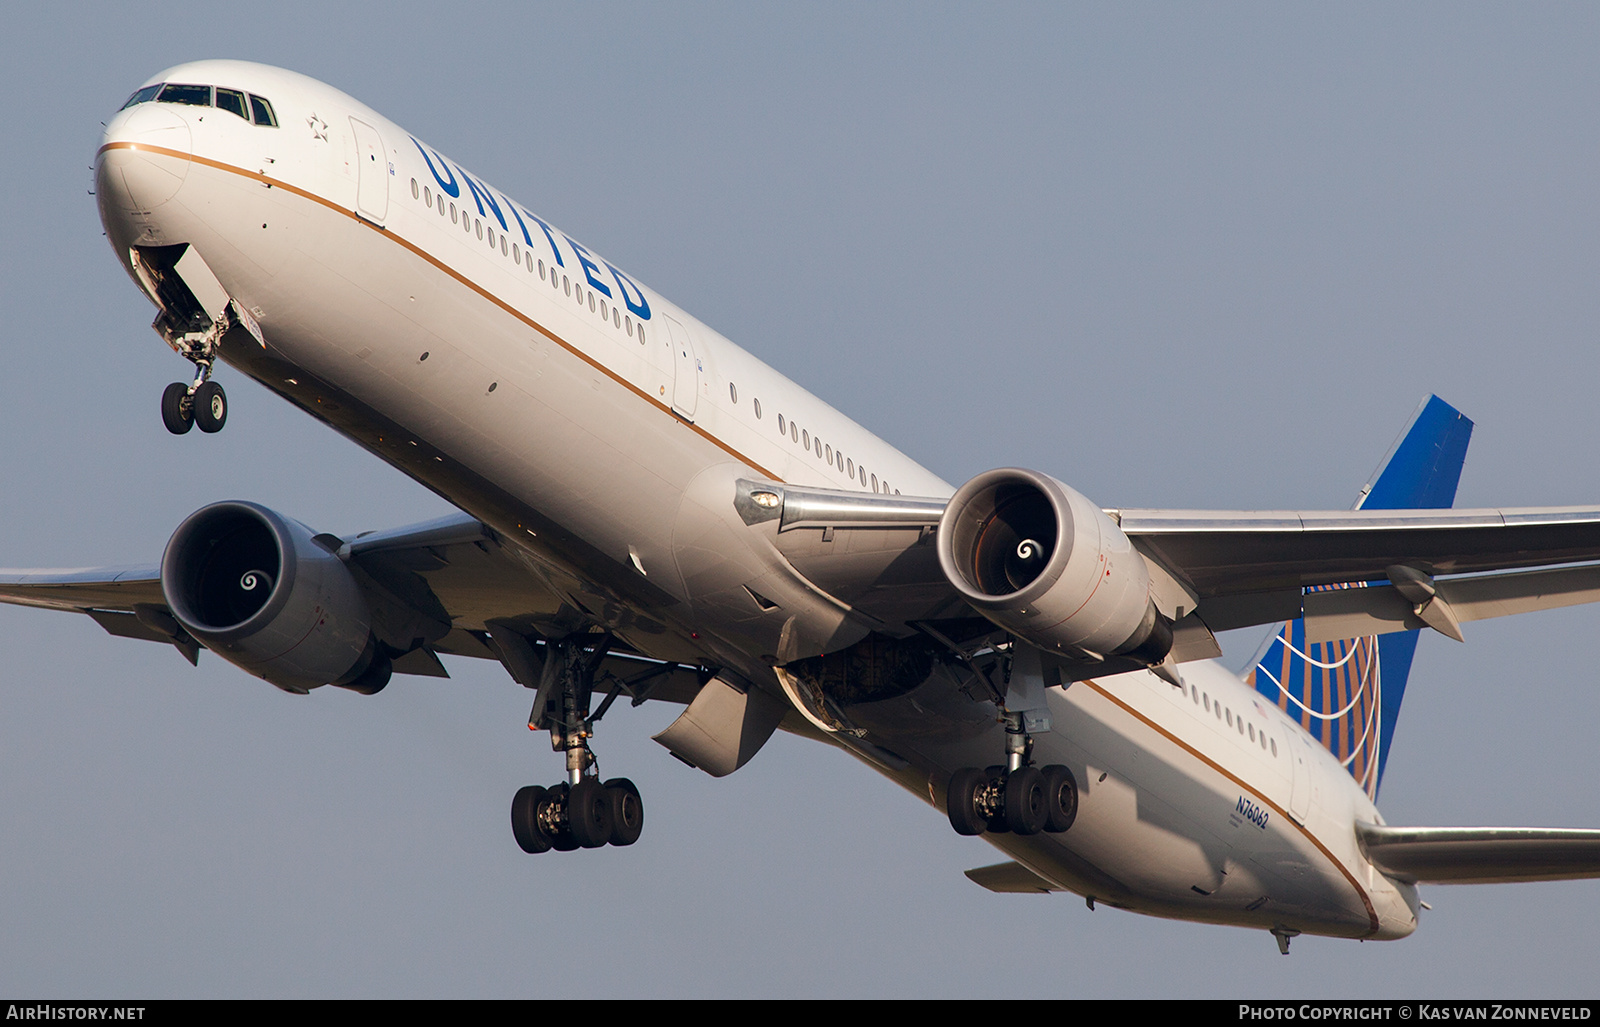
x,y
1347,694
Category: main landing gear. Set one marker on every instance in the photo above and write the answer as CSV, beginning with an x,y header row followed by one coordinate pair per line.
x,y
201,403
580,812
1017,797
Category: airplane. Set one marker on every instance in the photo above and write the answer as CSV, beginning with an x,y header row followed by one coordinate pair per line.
x,y
651,513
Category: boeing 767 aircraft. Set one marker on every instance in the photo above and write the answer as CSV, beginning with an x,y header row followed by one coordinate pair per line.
x,y
649,513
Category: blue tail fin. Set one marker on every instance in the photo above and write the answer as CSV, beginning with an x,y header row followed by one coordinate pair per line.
x,y
1347,694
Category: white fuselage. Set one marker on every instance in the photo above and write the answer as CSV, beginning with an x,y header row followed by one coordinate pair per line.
x,y
599,429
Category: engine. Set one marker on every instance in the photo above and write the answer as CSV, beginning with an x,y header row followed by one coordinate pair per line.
x,y
262,592
1044,563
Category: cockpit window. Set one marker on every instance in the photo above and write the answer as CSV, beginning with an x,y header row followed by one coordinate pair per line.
x,y
263,111
232,101
144,95
195,96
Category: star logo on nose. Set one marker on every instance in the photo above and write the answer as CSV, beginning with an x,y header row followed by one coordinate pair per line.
x,y
319,128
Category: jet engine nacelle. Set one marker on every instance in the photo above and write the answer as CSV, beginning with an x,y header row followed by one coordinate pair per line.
x,y
1041,561
261,592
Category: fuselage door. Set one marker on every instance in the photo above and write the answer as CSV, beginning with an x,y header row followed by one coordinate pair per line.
x,y
1300,780
372,173
686,378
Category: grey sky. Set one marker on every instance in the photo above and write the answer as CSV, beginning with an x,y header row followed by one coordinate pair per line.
x,y
1174,255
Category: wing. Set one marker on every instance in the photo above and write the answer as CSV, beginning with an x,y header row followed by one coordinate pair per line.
x,y
1251,568
1481,855
1232,569
442,587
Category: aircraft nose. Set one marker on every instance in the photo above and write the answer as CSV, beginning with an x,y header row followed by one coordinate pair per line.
x,y
143,158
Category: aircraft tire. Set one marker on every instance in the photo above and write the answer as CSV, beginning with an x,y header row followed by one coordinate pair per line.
x,y
627,811
1025,801
589,813
525,807
961,801
1060,798
176,413
210,407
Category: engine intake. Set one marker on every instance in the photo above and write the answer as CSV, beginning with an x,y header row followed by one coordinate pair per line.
x,y
258,590
1041,561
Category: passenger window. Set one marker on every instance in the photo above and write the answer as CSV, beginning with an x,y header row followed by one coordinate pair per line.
x,y
641,333
516,254
262,111
144,95
194,96
850,468
874,483
757,403
605,313
616,317
794,431
733,393
830,453
591,301
1274,747
782,428
452,213
805,439
232,101
863,476
491,238
479,225
415,192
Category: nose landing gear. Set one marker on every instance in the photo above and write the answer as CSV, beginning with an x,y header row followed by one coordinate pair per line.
x,y
201,404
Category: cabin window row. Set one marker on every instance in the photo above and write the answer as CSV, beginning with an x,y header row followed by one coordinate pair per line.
x,y
826,453
1225,714
473,226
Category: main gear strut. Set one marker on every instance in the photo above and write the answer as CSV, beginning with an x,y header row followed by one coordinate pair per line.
x,y
1017,797
579,812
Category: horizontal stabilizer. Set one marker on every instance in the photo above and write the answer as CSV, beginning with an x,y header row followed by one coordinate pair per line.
x,y
1482,855
1011,877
